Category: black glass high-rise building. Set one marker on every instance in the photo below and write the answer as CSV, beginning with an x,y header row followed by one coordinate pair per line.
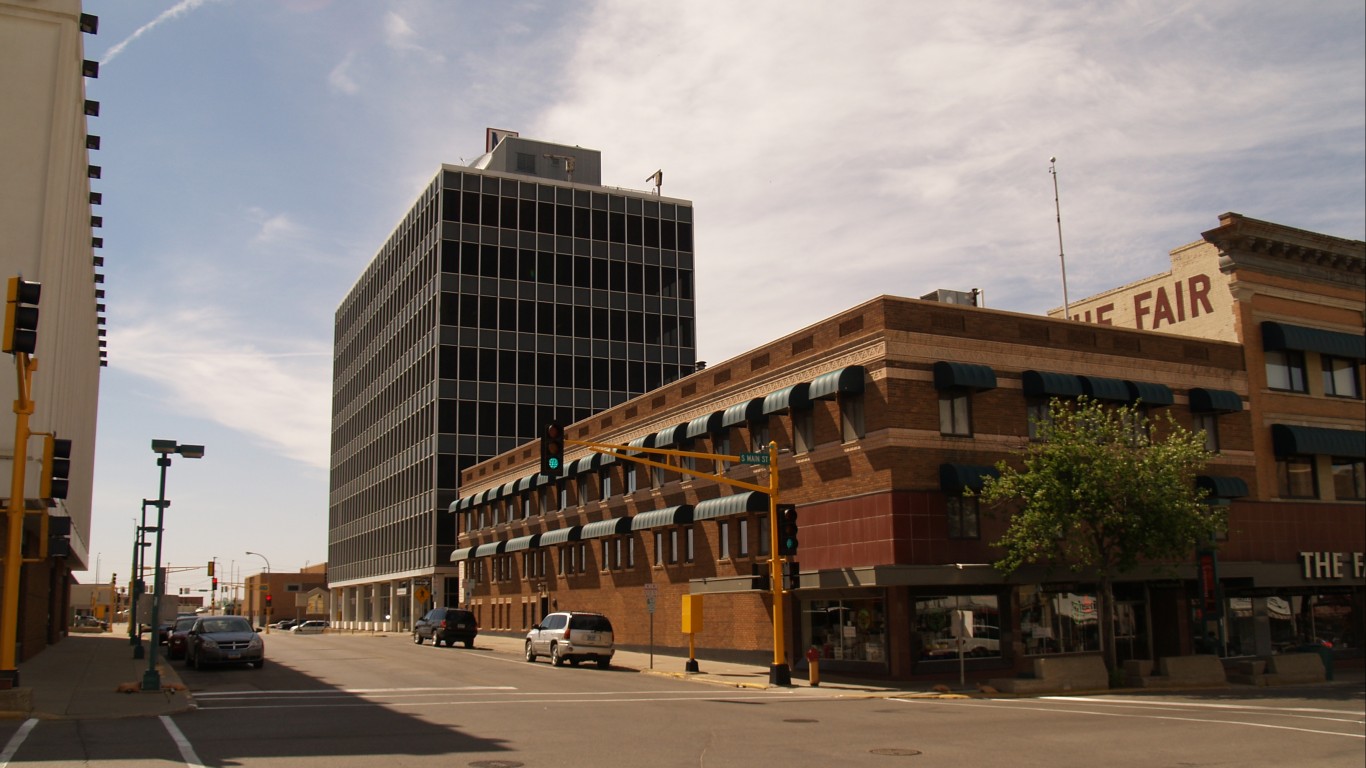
x,y
516,290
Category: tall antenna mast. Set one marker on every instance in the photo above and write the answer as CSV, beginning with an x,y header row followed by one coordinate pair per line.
x,y
1053,171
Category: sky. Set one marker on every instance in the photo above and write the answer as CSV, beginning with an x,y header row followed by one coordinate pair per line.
x,y
257,154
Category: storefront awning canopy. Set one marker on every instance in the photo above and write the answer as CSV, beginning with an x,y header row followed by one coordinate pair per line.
x,y
1101,388
670,436
560,536
1291,440
1149,393
1214,401
1222,486
743,412
963,376
679,515
845,381
525,483
492,548
705,425
522,542
1046,384
735,504
795,397
1280,336
461,554
955,478
644,441
617,526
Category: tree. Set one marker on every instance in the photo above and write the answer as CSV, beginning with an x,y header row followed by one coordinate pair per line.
x,y
1100,494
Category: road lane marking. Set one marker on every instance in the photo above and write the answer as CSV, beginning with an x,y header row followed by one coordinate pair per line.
x,y
1199,704
16,740
183,744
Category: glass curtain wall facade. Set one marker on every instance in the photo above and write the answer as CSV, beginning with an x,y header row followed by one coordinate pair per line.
x,y
502,301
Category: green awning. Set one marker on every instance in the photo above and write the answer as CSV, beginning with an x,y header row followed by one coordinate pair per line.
x,y
461,554
1046,384
735,504
1222,486
504,490
1101,388
963,376
522,542
492,548
1292,440
617,526
670,436
795,397
845,381
525,483
644,441
679,515
1280,336
578,466
560,536
1214,401
1149,393
955,478
743,412
705,425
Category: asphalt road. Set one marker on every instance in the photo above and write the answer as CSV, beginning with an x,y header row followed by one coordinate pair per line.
x,y
341,701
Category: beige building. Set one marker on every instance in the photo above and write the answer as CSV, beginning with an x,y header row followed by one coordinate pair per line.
x,y
47,235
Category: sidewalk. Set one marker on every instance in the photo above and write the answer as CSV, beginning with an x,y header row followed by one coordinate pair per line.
x,y
82,676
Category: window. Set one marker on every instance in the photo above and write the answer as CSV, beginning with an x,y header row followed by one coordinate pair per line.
x,y
1340,377
955,413
742,526
802,441
1295,476
630,551
851,417
526,505
688,543
526,162
759,434
1349,479
606,554
1038,414
687,462
630,471
722,447
564,493
659,547
605,475
723,540
1209,424
1285,370
583,556
963,517
762,530
673,545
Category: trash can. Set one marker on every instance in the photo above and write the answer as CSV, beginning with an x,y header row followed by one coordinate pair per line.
x,y
1325,655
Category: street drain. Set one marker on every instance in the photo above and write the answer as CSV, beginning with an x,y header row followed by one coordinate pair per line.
x,y
496,764
895,752
800,720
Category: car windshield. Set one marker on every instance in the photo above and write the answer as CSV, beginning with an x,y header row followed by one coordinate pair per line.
x,y
225,625
183,624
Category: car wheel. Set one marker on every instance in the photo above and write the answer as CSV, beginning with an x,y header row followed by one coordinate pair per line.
x,y
417,638
555,657
604,663
469,643
530,652
573,661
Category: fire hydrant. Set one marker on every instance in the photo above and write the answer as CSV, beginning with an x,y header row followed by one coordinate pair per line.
x,y
813,665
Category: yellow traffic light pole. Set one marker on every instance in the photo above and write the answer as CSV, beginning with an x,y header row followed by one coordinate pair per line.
x,y
779,673
24,366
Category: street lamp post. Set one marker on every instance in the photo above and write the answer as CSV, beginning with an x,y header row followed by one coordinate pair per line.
x,y
151,679
267,608
140,545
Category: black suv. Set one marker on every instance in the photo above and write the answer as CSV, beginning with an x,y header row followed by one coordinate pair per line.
x,y
446,625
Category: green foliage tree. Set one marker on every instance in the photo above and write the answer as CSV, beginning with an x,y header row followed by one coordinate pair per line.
x,y
1100,493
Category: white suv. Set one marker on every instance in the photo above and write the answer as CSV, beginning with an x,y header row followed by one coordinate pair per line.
x,y
573,637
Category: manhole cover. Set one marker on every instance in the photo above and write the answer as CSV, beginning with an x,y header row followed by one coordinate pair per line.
x,y
895,752
496,764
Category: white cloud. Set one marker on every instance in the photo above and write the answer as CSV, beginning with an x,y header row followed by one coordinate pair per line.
x,y
399,36
340,80
179,9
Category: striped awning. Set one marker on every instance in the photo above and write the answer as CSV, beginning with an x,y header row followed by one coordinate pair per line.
x,y
963,376
614,527
1046,384
525,483
1101,388
1222,486
956,478
1149,393
795,397
1214,401
1281,336
679,515
506,489
492,548
461,554
644,441
845,381
560,536
735,504
670,436
522,542
743,412
1294,440
705,425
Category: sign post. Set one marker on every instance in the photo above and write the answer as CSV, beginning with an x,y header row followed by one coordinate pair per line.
x,y
651,594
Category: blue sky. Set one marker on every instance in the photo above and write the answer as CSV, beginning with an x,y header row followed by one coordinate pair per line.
x,y
256,154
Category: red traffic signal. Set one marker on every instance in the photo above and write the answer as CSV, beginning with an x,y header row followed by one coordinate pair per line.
x,y
552,450
267,600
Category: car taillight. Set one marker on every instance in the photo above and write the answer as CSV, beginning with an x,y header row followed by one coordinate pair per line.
x,y
566,631
443,623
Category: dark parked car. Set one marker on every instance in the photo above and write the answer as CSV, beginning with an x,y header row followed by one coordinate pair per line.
x,y
446,625
175,644
224,640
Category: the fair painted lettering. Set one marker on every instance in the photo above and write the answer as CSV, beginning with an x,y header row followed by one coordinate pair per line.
x,y
1185,299
1329,565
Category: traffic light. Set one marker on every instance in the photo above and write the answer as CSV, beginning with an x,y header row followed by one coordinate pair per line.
x,y
215,581
52,483
21,316
787,530
552,450
214,585
58,536
267,600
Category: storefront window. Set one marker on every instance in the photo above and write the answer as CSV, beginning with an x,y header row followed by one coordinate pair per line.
x,y
1258,626
1058,621
847,630
943,622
